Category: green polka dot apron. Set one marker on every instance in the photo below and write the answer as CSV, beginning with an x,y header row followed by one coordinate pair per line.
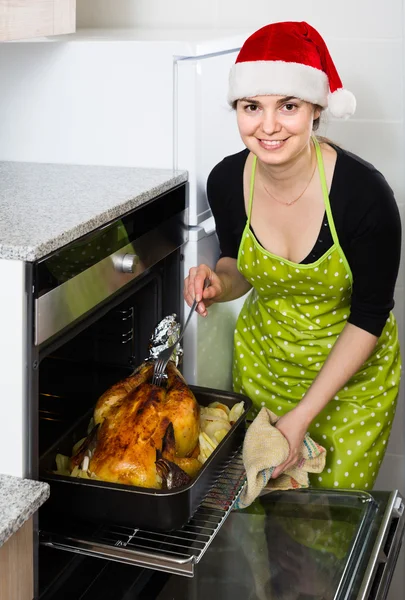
x,y
288,325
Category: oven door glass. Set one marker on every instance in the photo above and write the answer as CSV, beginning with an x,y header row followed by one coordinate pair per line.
x,y
304,545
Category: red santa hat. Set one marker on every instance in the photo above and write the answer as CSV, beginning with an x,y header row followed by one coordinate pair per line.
x,y
289,59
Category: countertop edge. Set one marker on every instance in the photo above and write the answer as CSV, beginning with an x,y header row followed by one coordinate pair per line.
x,y
31,253
24,498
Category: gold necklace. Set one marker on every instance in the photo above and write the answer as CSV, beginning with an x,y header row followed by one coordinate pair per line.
x,y
296,199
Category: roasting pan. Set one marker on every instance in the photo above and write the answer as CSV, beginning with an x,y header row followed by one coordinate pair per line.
x,y
146,508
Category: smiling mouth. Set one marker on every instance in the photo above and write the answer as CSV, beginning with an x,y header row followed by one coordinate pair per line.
x,y
271,142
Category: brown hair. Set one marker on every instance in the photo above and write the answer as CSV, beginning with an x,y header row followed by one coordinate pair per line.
x,y
315,126
317,122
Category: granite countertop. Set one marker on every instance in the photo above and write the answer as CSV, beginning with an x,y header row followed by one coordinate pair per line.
x,y
19,499
45,206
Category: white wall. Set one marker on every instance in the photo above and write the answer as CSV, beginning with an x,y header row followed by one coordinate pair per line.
x,y
362,18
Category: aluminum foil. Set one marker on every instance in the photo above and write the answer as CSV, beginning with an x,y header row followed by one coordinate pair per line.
x,y
166,332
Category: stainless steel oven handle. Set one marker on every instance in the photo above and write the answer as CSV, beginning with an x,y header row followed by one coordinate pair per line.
x,y
125,263
140,558
384,555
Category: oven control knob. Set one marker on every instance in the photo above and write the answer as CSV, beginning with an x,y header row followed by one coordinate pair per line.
x,y
126,263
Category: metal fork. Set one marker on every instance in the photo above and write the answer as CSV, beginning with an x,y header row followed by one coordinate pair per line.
x,y
166,354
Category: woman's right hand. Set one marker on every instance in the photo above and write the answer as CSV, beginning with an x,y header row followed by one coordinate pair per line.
x,y
194,288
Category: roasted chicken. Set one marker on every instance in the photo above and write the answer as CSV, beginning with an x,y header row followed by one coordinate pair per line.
x,y
145,435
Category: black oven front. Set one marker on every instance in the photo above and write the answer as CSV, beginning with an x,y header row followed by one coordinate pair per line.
x,y
94,305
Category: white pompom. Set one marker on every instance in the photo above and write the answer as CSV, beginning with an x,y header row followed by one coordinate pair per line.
x,y
341,104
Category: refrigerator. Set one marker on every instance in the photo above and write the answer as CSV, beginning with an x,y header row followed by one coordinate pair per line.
x,y
142,98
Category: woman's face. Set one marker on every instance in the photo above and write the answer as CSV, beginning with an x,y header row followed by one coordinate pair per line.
x,y
275,128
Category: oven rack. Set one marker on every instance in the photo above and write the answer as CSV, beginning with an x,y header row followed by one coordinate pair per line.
x,y
175,552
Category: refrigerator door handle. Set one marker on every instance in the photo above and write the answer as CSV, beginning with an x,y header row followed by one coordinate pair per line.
x,y
208,225
204,229
384,556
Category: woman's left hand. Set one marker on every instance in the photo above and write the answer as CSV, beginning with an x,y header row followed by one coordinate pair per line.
x,y
294,427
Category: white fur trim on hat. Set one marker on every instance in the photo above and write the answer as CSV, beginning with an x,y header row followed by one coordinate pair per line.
x,y
261,77
341,104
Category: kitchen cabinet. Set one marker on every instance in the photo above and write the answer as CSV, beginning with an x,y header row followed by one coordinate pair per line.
x,y
24,19
19,501
16,565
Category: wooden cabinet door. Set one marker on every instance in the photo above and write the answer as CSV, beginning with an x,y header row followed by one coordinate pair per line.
x,y
16,565
24,19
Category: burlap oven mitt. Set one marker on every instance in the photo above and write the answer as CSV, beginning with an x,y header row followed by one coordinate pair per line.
x,y
264,448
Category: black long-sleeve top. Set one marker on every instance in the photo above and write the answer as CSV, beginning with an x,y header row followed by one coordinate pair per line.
x,y
367,222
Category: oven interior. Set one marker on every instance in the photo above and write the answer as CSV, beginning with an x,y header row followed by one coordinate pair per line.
x,y
73,373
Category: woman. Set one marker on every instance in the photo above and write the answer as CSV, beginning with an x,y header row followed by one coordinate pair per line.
x,y
315,231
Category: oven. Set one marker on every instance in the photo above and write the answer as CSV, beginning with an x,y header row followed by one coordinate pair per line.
x,y
94,304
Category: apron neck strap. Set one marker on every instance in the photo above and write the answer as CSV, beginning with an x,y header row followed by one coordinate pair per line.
x,y
325,192
252,187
